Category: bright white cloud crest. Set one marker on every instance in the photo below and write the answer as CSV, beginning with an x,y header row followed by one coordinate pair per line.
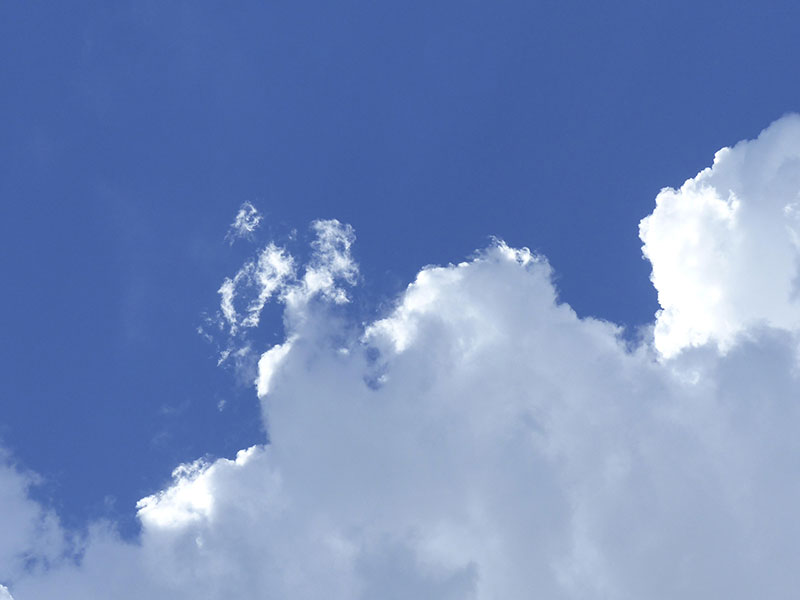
x,y
482,441
725,246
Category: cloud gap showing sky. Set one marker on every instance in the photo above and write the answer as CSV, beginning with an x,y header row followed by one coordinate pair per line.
x,y
480,440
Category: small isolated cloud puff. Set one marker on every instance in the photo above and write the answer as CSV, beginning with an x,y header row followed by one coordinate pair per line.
x,y
244,224
480,441
725,246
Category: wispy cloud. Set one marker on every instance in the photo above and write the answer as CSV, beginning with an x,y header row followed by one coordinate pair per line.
x,y
246,222
274,273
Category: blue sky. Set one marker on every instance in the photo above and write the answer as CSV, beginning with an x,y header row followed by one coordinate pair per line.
x,y
131,133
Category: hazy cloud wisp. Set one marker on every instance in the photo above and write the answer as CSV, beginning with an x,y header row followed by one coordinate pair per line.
x,y
247,220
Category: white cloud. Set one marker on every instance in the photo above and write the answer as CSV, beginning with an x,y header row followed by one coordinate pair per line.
x,y
331,261
5,594
256,281
273,274
269,363
244,224
724,247
482,441
31,535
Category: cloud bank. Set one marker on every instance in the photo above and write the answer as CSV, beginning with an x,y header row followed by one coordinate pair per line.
x,y
482,441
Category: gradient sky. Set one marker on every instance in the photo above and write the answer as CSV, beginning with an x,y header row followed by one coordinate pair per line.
x,y
131,133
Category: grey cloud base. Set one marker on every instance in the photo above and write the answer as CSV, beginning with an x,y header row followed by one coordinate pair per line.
x,y
480,442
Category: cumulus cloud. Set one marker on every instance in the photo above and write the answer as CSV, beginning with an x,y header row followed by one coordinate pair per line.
x,y
724,246
483,441
247,220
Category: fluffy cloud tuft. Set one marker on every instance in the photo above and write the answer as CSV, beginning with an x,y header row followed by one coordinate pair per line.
x,y
725,247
